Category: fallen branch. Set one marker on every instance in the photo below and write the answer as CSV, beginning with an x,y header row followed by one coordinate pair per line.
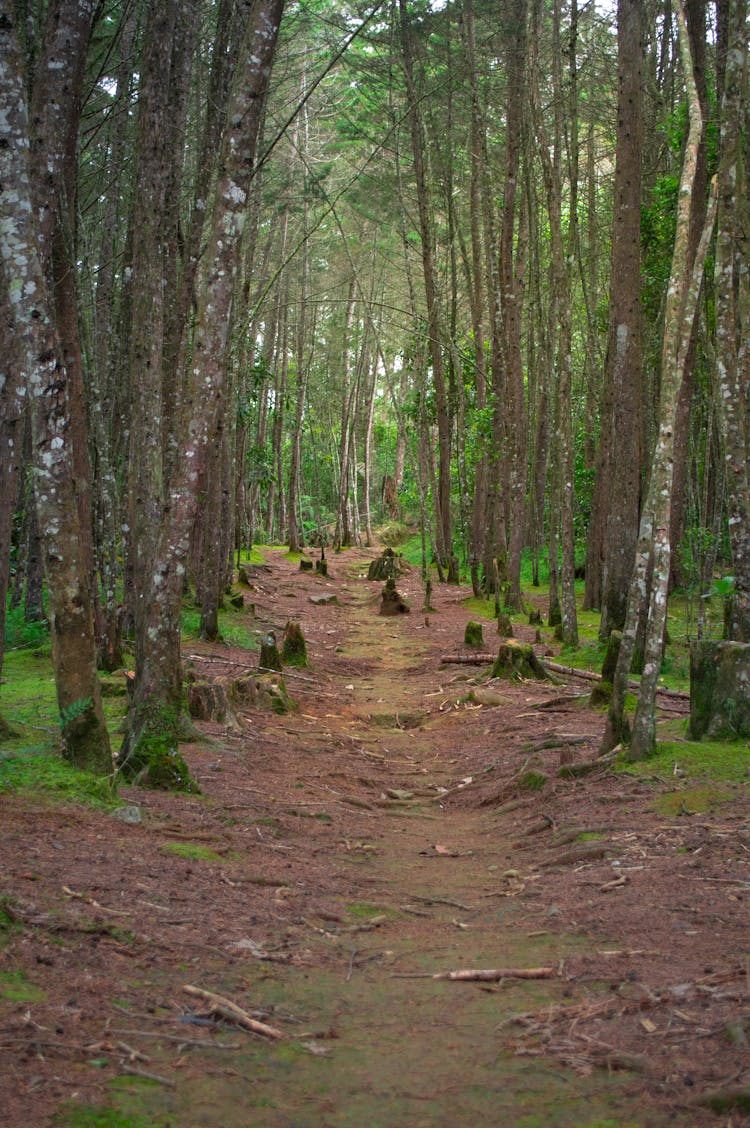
x,y
482,975
132,1071
572,671
225,1008
94,904
589,675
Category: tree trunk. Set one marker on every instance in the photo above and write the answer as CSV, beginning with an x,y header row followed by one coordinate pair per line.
x,y
84,733
653,540
155,716
617,489
733,309
434,335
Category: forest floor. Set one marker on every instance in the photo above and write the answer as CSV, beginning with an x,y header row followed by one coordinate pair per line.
x,y
338,859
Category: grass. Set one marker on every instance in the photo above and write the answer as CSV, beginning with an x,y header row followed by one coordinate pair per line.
x,y
16,988
697,760
193,851
706,774
46,774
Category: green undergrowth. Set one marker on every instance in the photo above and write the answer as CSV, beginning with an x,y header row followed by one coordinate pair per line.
x,y
20,634
705,775
233,627
254,556
694,759
45,773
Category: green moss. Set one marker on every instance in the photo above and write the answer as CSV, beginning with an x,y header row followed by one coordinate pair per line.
x,y
45,773
192,850
473,635
100,1116
692,800
254,556
362,911
10,925
479,607
532,781
697,760
16,988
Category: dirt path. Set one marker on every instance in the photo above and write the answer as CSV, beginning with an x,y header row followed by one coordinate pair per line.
x,y
339,857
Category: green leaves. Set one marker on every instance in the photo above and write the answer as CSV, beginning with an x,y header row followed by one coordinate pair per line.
x,y
75,710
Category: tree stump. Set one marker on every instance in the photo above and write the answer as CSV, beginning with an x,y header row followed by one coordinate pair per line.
x,y
473,635
391,603
386,566
262,691
518,661
719,690
305,565
293,648
210,701
535,617
504,626
269,653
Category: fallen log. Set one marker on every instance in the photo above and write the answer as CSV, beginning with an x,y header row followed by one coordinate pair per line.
x,y
493,974
572,671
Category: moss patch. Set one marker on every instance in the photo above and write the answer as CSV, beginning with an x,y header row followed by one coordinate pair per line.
x,y
45,773
192,850
16,988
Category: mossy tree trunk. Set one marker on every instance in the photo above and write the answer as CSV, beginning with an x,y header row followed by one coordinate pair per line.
x,y
84,732
156,715
733,309
720,690
653,541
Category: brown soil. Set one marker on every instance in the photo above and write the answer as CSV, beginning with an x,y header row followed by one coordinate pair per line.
x,y
379,833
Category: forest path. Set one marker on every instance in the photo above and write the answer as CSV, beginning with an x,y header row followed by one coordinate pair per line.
x,y
340,856
423,889
411,887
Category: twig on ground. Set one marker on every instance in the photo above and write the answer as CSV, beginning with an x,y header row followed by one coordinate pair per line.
x,y
94,904
232,1013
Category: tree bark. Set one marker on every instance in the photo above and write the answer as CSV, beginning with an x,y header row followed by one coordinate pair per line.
x,y
155,716
733,309
617,489
653,541
84,732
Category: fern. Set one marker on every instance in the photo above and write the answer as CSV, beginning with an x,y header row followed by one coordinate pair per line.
x,y
75,710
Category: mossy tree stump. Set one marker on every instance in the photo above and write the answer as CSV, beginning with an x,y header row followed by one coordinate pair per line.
x,y
473,635
391,603
210,701
518,661
305,565
270,659
720,690
386,566
293,647
504,625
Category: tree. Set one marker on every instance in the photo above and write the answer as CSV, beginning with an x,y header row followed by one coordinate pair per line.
x,y
154,721
614,519
84,733
654,547
733,306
